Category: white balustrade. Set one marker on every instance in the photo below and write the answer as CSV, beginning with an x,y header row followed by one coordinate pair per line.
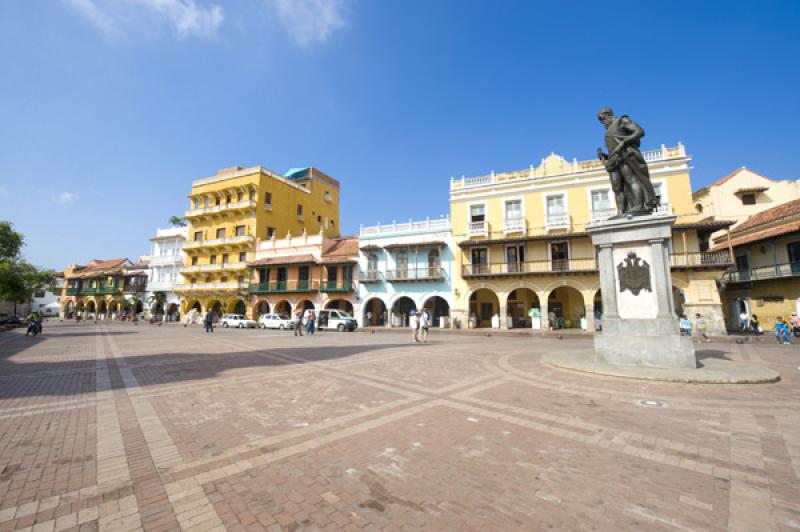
x,y
441,224
557,221
478,228
514,225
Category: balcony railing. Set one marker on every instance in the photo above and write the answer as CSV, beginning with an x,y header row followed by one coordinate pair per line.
x,y
284,287
478,228
246,239
337,286
700,259
514,225
166,260
557,221
774,271
407,227
213,209
231,285
599,215
530,267
133,288
416,274
73,291
370,276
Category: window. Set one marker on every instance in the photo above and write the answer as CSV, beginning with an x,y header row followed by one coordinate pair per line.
x,y
402,263
239,196
601,201
221,233
372,262
270,233
223,279
555,205
333,273
480,260
219,200
477,213
227,199
303,273
514,209
240,230
206,202
224,258
299,210
194,261
333,224
242,256
213,259
748,199
515,258
192,280
434,263
196,203
658,188
240,278
267,198
319,219
252,195
559,256
198,236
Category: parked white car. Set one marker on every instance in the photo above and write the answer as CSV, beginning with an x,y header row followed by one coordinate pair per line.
x,y
237,320
275,321
339,320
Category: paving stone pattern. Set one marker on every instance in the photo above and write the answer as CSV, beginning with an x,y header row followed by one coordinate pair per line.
x,y
124,427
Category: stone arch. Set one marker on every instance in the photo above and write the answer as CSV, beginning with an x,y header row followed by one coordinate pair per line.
x,y
379,312
570,282
102,308
304,305
260,308
282,307
91,307
438,307
113,308
566,303
401,309
216,307
519,302
340,304
237,306
484,304
69,309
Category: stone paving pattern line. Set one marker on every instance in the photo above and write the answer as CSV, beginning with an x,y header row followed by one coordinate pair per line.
x,y
123,427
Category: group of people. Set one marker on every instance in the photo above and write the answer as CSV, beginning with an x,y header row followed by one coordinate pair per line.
x,y
311,322
699,327
420,322
783,330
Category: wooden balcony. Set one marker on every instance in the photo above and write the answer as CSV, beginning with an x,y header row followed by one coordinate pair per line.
x,y
345,285
415,274
701,259
284,287
773,271
536,267
370,277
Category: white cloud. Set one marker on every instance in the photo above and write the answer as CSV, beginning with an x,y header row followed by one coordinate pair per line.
x,y
309,22
184,17
63,198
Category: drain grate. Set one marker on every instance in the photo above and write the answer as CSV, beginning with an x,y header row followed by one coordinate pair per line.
x,y
651,403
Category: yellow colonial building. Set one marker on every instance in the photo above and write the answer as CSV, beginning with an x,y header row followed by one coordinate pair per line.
x,y
523,244
234,209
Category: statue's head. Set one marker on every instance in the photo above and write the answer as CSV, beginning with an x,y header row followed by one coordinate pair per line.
x,y
605,115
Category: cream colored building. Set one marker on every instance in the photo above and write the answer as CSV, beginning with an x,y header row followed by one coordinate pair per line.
x,y
522,243
741,194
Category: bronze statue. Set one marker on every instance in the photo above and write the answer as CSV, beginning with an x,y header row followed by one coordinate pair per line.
x,y
625,164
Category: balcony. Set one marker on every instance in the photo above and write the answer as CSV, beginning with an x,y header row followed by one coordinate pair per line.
x,y
530,267
412,226
701,259
160,286
600,215
229,241
514,225
345,285
418,274
774,271
558,220
370,277
478,229
73,291
284,287
212,286
215,209
166,260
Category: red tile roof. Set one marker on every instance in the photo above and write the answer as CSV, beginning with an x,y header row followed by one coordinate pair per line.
x,y
758,236
785,210
340,247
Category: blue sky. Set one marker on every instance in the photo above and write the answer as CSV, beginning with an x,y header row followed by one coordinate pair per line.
x,y
109,108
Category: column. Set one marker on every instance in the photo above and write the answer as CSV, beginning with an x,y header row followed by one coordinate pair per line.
x,y
503,314
543,309
608,283
663,287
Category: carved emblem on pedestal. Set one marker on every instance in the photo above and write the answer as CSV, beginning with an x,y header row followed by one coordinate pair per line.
x,y
634,274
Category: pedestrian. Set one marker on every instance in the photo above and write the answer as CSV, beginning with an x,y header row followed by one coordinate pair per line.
x,y
424,324
794,321
310,322
551,320
756,326
743,325
369,317
782,331
413,322
298,323
210,321
686,326
700,326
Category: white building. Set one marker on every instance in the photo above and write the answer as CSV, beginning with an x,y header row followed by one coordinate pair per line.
x,y
404,267
166,260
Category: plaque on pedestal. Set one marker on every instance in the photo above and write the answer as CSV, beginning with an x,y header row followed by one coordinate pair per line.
x,y
640,327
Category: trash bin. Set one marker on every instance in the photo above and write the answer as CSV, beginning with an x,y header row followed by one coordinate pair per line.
x,y
444,322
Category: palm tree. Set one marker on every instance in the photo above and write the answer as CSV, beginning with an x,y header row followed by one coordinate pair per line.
x,y
177,221
134,302
156,301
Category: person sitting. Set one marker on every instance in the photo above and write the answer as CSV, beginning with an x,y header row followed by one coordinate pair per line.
x,y
782,331
686,326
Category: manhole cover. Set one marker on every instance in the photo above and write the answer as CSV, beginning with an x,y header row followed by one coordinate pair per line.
x,y
651,403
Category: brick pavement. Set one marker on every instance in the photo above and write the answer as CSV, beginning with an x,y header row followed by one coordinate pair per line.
x,y
122,427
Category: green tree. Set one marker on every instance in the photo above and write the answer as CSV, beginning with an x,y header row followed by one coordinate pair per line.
x,y
19,279
158,299
11,242
177,221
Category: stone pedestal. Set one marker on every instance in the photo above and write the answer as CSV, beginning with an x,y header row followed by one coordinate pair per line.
x,y
640,327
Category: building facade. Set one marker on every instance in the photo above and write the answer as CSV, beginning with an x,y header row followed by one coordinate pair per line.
x,y
104,289
765,280
524,258
741,194
306,272
228,212
165,261
404,267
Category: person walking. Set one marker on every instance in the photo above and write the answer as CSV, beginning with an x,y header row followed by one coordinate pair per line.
x,y
310,322
794,322
700,326
755,325
210,321
298,323
743,321
782,331
413,322
424,324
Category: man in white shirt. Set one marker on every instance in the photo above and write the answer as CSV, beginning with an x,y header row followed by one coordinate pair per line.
x,y
413,321
424,324
744,321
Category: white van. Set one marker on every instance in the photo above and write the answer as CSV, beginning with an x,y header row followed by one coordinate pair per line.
x,y
328,320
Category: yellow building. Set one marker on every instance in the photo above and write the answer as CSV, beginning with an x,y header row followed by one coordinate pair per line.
x,y
766,279
523,243
104,289
229,212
